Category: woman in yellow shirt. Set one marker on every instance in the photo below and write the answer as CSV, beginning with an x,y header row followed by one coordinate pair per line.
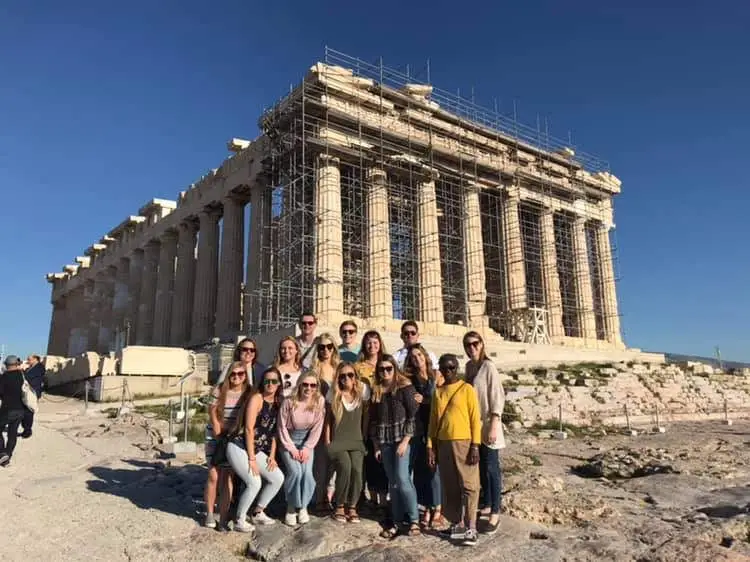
x,y
454,435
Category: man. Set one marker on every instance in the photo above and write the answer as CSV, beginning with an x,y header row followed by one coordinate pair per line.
x,y
306,339
349,348
410,336
11,406
35,375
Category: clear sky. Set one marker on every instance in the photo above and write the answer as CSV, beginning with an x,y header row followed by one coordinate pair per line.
x,y
104,105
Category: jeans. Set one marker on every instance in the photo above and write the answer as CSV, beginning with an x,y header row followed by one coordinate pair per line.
x,y
299,484
237,457
9,421
426,481
490,475
403,494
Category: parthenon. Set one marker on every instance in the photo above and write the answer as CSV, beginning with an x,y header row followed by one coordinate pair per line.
x,y
370,196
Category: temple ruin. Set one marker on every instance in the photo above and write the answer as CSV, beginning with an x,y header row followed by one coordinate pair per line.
x,y
370,196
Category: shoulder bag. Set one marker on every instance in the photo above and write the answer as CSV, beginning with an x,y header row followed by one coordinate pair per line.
x,y
28,396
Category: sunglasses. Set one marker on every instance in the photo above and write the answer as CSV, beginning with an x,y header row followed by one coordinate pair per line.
x,y
325,346
410,332
474,343
269,382
306,323
287,380
348,332
238,374
385,369
247,350
344,376
448,368
309,385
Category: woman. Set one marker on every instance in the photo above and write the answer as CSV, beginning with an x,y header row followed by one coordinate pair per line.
x,y
289,363
222,414
344,437
301,421
426,480
246,352
371,350
453,438
252,452
324,368
393,414
483,376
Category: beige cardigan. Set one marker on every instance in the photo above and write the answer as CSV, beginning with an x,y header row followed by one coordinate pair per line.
x,y
486,381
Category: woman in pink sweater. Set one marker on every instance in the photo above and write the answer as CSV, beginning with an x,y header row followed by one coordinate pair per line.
x,y
300,425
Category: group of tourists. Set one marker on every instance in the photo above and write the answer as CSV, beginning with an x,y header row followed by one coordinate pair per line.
x,y
13,411
338,425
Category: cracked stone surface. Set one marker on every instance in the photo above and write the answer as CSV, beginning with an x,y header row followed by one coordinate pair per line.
x,y
85,487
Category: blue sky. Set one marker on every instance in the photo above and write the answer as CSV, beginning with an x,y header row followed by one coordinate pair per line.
x,y
105,105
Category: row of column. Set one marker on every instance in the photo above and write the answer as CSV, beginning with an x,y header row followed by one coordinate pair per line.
x,y
329,253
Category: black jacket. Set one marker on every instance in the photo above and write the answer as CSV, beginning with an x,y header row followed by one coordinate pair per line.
x,y
11,383
35,376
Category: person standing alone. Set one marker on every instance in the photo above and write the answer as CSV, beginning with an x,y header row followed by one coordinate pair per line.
x,y
11,406
35,376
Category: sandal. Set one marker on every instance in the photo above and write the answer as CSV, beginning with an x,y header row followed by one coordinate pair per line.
x,y
353,517
390,533
438,521
414,530
425,521
339,515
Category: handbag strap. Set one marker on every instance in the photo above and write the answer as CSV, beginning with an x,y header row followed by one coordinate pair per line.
x,y
448,405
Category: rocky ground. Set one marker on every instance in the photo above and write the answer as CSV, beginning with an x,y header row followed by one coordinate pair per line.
x,y
86,487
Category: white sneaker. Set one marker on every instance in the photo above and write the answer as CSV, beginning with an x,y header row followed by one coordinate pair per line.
x,y
244,527
263,519
291,519
210,521
304,517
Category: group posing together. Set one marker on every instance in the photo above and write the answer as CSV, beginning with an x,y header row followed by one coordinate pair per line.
x,y
327,421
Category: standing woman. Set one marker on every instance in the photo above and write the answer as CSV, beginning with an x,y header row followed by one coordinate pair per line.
x,y
252,453
346,425
426,479
371,350
301,421
324,368
483,376
222,414
246,352
289,363
454,436
393,415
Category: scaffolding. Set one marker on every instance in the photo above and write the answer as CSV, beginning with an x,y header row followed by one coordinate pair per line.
x,y
363,132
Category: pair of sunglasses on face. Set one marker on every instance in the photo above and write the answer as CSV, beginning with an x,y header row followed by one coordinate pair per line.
x,y
347,375
385,369
238,374
325,347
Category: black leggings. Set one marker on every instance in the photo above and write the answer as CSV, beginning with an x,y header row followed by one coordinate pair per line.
x,y
9,421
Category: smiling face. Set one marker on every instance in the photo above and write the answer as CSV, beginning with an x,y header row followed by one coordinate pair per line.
x,y
348,334
417,360
347,378
386,372
473,347
247,352
237,378
372,346
307,325
409,335
308,386
271,382
287,351
325,350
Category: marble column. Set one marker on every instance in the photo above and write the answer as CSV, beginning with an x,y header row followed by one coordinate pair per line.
x,y
165,288
135,280
184,286
206,278
59,331
253,273
583,280
379,285
147,300
229,297
329,266
107,287
551,276
515,272
476,289
428,252
609,290
92,308
121,301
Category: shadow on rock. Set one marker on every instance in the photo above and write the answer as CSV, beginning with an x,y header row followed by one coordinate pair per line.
x,y
152,486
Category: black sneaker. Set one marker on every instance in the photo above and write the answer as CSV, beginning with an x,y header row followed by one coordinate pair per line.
x,y
454,532
26,434
470,538
489,528
4,459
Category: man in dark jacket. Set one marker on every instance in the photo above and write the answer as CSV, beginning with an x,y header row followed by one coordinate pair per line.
x,y
11,406
35,375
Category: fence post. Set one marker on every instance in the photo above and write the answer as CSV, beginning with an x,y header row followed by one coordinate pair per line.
x,y
631,431
185,418
86,395
560,434
727,421
659,428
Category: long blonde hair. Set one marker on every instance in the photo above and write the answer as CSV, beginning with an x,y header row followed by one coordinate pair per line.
x,y
399,379
335,357
337,404
315,399
297,357
224,388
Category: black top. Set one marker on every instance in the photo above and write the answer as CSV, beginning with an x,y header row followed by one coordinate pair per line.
x,y
426,389
393,417
265,427
35,376
10,391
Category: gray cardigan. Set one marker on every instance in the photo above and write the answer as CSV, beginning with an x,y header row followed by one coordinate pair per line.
x,y
489,388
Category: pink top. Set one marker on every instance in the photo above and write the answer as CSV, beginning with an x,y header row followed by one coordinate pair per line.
x,y
300,418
